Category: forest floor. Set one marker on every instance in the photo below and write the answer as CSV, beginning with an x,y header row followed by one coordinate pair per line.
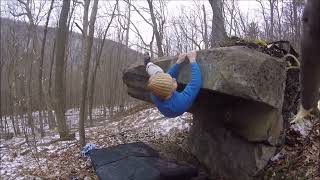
x,y
49,159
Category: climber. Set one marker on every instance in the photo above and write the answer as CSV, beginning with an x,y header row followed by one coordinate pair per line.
x,y
163,86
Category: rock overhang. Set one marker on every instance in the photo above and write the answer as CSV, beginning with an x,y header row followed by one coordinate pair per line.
x,y
237,111
237,71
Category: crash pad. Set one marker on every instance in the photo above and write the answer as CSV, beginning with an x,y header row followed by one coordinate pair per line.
x,y
137,161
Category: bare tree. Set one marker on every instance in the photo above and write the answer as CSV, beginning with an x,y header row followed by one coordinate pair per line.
x,y
272,4
96,65
155,29
230,7
1,69
279,11
269,20
12,80
145,45
1,122
190,29
242,24
265,18
32,13
45,31
189,32
296,22
87,55
218,32
253,31
157,23
59,70
205,28
49,99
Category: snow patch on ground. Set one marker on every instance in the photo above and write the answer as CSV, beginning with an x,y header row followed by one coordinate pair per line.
x,y
303,127
12,158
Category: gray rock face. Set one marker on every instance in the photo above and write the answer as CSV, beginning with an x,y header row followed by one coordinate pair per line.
x,y
219,145
242,72
237,114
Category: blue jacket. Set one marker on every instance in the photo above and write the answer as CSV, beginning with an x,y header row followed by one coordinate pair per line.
x,y
180,102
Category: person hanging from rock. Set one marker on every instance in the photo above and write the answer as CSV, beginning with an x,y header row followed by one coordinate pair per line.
x,y
163,86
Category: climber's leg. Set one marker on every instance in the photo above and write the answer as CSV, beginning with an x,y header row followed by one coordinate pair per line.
x,y
153,69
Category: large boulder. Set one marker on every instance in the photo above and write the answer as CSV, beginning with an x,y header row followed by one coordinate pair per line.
x,y
237,114
237,71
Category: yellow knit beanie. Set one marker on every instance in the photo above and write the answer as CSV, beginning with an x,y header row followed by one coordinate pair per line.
x,y
161,85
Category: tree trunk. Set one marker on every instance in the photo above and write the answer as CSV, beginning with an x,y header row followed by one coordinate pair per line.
x,y
310,65
6,126
104,112
59,70
49,103
205,36
218,32
11,94
296,27
232,18
15,130
29,97
1,64
14,90
279,21
86,63
41,69
271,2
122,88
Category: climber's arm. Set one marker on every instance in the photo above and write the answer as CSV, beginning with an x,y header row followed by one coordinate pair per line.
x,y
173,70
191,91
154,99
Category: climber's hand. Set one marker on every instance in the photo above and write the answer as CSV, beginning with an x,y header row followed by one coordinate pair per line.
x,y
181,58
192,56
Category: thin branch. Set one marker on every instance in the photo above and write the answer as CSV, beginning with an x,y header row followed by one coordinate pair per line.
x,y
137,10
18,15
22,2
186,35
78,26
